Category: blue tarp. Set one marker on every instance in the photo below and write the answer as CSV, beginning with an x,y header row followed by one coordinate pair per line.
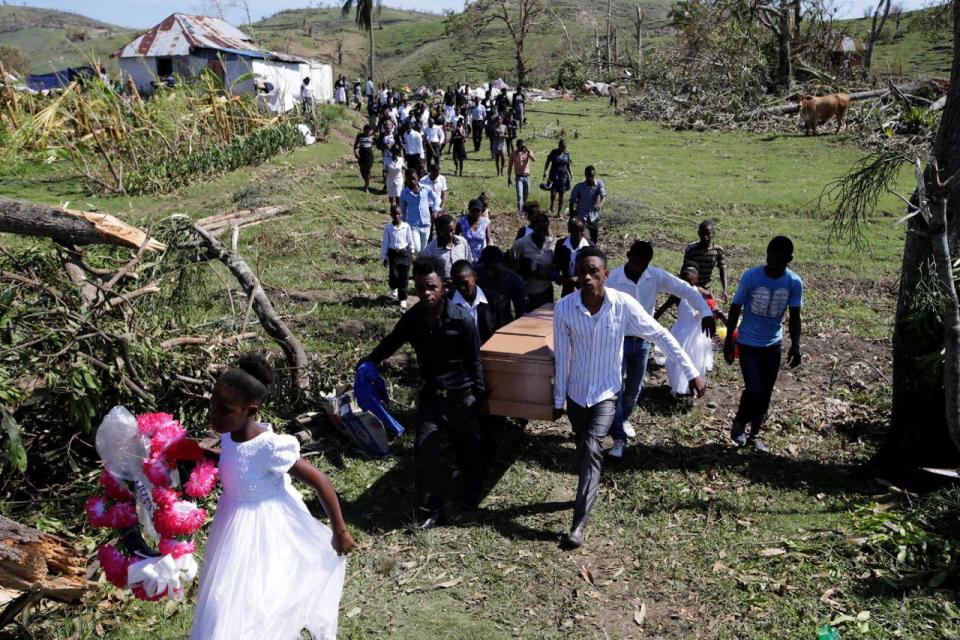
x,y
371,393
58,79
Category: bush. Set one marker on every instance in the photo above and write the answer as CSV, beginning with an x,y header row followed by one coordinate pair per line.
x,y
252,149
572,73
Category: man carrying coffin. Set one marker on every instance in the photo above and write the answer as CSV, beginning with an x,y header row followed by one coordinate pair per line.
x,y
588,332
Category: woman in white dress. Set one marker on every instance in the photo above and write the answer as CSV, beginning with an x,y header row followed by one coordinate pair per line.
x,y
270,570
689,333
395,173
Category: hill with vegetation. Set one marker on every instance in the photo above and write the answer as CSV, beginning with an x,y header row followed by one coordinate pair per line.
x,y
48,40
920,44
412,45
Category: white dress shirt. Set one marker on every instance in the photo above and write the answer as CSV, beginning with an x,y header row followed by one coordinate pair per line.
x,y
438,187
413,143
589,348
396,237
478,299
434,134
653,281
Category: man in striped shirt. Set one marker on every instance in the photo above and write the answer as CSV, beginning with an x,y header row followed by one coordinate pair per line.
x,y
588,332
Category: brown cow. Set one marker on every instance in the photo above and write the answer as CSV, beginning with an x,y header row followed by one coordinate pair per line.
x,y
815,111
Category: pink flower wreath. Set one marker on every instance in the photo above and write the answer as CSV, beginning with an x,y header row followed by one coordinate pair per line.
x,y
174,519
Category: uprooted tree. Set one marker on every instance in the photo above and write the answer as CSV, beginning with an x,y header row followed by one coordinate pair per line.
x,y
925,415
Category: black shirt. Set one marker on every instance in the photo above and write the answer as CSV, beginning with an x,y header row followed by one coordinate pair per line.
x,y
448,353
508,285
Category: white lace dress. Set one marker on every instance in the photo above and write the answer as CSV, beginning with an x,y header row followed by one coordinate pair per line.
x,y
688,332
268,569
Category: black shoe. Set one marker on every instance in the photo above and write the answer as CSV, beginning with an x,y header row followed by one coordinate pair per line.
x,y
574,539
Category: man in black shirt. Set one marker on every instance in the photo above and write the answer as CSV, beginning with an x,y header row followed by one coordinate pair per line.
x,y
445,339
493,275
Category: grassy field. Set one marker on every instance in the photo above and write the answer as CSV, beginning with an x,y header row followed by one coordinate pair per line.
x,y
907,51
709,541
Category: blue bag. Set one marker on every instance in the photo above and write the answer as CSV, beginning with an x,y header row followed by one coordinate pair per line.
x,y
371,393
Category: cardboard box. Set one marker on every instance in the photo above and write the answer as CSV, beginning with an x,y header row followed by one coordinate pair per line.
x,y
518,367
362,427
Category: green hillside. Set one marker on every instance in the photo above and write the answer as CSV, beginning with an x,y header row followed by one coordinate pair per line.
x,y
908,51
53,40
406,40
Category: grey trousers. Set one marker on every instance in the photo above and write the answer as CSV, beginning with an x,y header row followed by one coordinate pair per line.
x,y
590,425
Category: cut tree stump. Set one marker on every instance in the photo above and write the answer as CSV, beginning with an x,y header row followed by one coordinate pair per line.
x,y
38,565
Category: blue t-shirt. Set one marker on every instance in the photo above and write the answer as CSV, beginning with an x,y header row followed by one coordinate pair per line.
x,y
764,301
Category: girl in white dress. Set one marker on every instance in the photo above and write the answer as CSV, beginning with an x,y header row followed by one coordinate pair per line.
x,y
689,333
395,173
270,569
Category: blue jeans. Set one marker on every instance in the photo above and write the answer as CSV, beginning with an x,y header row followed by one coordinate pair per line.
x,y
421,236
523,192
760,366
636,353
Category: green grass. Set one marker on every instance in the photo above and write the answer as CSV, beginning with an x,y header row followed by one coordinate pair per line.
x,y
682,524
908,52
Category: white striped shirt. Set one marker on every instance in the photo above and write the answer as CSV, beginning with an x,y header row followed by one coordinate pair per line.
x,y
589,348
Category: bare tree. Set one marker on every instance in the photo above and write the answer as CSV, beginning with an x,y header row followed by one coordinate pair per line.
x,y
778,17
520,17
896,12
880,13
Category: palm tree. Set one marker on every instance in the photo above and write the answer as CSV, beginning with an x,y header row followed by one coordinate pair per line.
x,y
365,9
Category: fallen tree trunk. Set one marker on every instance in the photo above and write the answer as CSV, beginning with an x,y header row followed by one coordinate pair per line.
x,y
794,107
70,227
245,217
272,323
39,565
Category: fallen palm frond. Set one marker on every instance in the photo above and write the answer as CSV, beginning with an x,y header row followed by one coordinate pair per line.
x,y
121,144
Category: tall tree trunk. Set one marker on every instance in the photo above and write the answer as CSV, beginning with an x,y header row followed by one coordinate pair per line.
x,y
785,70
875,31
609,32
639,38
521,65
918,431
370,60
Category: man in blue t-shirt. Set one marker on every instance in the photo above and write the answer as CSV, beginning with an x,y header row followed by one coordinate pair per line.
x,y
763,296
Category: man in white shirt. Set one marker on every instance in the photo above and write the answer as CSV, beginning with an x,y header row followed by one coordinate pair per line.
x,y
478,115
639,279
435,138
306,94
403,111
438,184
588,331
413,148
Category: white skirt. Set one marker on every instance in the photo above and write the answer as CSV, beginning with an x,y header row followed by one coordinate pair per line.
x,y
268,571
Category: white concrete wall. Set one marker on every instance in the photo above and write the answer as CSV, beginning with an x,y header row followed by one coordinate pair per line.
x,y
142,70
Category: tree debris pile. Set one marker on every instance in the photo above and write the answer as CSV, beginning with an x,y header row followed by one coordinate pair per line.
x,y
726,73
83,329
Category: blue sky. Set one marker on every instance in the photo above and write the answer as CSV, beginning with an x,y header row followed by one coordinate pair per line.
x,y
146,13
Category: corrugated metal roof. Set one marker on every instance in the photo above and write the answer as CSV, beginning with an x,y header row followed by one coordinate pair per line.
x,y
180,34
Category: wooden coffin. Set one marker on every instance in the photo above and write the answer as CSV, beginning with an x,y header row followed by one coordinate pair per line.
x,y
518,367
